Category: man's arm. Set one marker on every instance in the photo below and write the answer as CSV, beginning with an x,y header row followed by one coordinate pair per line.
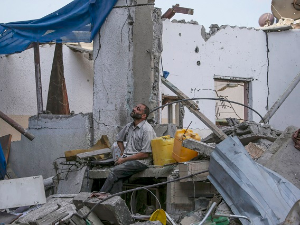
x,y
121,146
140,155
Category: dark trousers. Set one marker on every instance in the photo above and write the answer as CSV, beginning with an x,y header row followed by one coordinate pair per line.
x,y
114,182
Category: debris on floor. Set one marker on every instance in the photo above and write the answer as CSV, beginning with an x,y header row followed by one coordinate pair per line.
x,y
241,183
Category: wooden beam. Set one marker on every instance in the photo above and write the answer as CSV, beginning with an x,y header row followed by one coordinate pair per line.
x,y
17,126
192,106
38,79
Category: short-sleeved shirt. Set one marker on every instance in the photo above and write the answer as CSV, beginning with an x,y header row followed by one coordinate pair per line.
x,y
138,139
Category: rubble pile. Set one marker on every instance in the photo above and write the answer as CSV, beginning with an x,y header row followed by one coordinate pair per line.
x,y
259,156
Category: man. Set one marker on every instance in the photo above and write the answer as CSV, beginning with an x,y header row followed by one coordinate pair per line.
x,y
136,156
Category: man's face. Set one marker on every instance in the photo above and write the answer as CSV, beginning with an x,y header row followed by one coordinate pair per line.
x,y
137,111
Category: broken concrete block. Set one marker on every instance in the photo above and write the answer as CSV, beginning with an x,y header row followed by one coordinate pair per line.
x,y
223,208
165,129
263,143
102,143
254,150
55,207
79,199
192,218
286,158
92,217
248,131
189,168
108,210
72,182
22,192
96,154
202,148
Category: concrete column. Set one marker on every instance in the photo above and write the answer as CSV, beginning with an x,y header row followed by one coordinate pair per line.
x,y
126,65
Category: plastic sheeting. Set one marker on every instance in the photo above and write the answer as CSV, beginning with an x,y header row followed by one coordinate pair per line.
x,y
78,21
2,164
249,188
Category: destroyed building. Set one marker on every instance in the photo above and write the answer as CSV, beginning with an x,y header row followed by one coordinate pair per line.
x,y
131,53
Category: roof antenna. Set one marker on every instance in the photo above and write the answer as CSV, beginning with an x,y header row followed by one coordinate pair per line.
x,y
187,127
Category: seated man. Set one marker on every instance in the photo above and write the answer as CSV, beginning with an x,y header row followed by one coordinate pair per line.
x,y
136,156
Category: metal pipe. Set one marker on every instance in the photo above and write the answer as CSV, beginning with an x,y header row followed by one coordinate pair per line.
x,y
170,219
17,126
234,216
38,79
208,213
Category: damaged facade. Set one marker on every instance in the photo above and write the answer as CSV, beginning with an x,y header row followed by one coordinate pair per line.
x,y
129,53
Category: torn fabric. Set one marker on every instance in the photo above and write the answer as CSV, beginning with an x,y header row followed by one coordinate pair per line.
x,y
79,21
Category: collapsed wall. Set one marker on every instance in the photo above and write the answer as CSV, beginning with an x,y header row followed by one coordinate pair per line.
x,y
195,60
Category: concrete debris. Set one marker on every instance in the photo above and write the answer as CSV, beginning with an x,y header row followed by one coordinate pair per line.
x,y
284,158
72,182
55,206
148,223
202,148
192,217
223,208
293,218
92,217
254,150
248,131
22,192
165,129
108,210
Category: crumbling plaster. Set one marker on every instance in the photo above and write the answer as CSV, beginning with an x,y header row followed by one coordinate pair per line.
x,y
232,52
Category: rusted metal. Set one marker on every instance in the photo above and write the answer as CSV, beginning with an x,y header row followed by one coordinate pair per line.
x,y
176,9
38,79
57,95
246,100
17,126
193,107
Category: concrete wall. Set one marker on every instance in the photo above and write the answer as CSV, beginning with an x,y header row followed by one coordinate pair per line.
x,y
53,136
127,53
232,52
18,91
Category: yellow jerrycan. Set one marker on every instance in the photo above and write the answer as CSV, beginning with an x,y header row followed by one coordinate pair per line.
x,y
182,154
162,148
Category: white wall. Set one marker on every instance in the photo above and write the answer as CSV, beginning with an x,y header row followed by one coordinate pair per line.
x,y
17,86
234,52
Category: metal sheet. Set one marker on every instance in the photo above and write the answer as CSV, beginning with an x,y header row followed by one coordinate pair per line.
x,y
249,188
22,192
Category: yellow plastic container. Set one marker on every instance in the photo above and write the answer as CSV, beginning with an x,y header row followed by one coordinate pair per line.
x,y
182,154
162,148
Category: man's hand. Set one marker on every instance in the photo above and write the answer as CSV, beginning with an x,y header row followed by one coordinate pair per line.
x,y
120,161
140,155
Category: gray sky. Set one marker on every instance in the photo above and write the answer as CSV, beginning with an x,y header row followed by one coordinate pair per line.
x,y
206,12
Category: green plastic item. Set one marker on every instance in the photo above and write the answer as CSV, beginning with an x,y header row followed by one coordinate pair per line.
x,y
217,221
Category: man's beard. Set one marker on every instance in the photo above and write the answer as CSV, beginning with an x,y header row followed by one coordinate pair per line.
x,y
135,115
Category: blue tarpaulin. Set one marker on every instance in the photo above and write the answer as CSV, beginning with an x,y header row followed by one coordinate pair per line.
x,y
79,21
2,164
